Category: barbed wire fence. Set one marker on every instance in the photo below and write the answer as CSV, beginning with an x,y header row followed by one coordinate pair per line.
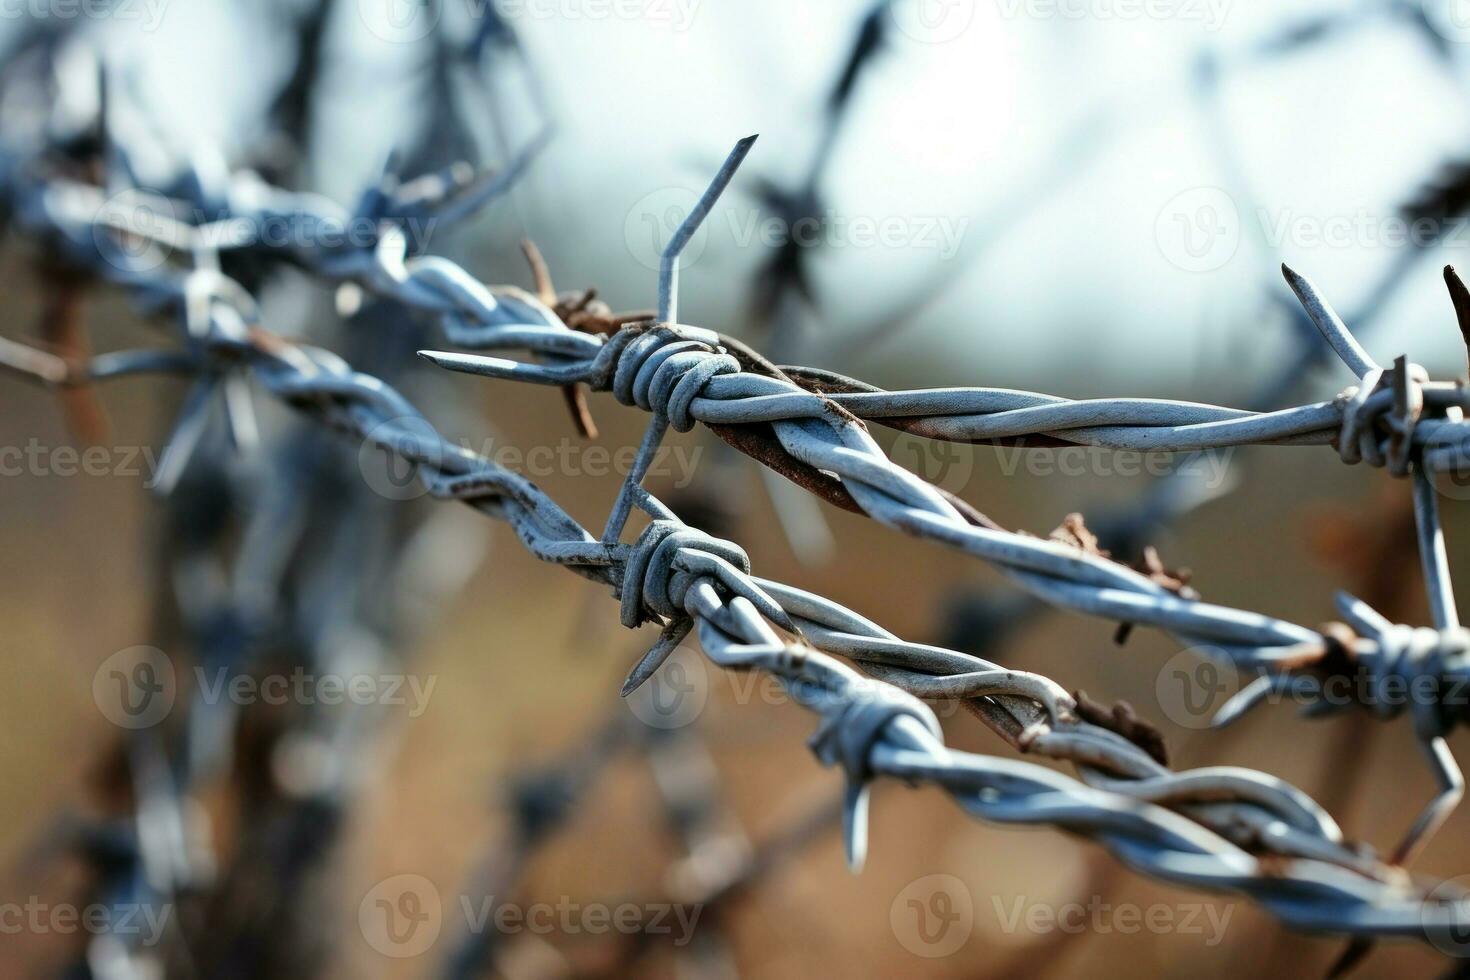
x,y
1220,828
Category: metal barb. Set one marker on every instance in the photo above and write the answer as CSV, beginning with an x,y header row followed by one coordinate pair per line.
x,y
1333,330
1460,298
668,266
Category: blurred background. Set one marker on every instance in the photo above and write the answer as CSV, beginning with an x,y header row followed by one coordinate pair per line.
x,y
1082,197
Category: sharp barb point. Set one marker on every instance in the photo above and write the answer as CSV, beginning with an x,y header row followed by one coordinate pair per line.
x,y
1460,299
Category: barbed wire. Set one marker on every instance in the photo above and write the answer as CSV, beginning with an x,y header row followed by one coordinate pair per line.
x,y
683,375
869,727
1197,828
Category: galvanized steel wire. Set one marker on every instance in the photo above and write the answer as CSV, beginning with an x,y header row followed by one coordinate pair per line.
x,y
1221,828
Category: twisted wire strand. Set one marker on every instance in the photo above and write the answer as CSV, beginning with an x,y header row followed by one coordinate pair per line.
x,y
685,375
476,316
681,374
869,727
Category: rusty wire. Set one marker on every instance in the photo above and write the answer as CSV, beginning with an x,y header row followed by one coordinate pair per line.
x,y
1219,828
